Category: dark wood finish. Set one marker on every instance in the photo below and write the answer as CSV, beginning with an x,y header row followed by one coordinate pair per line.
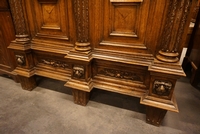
x,y
192,55
80,97
155,115
7,34
130,47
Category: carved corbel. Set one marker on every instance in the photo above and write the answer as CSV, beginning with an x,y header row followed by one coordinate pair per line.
x,y
178,11
82,25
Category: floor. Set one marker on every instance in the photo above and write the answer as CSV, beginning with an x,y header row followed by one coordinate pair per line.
x,y
49,109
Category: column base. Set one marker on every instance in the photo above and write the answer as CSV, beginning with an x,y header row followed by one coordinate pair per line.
x,y
154,115
27,83
80,97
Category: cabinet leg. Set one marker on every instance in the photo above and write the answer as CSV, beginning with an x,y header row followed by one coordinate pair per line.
x,y
154,115
27,83
80,97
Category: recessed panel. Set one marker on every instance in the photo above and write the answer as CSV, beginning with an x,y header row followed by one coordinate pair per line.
x,y
124,24
50,16
52,19
124,20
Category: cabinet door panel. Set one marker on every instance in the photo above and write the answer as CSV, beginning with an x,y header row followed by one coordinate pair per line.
x,y
49,19
124,24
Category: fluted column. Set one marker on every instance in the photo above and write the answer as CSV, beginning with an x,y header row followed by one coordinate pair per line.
x,y
178,11
82,25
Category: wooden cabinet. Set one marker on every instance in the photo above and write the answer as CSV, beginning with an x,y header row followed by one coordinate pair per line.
x,y
7,34
130,47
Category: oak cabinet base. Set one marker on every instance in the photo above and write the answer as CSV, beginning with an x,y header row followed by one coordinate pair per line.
x,y
131,47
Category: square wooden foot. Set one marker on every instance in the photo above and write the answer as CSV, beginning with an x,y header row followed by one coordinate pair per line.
x,y
80,97
154,115
27,83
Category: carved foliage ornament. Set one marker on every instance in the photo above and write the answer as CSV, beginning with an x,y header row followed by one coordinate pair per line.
x,y
55,63
162,88
120,74
78,72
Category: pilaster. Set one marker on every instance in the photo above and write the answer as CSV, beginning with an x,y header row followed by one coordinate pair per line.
x,y
80,56
22,46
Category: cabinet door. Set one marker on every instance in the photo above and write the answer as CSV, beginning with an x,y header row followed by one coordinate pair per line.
x,y
128,25
122,24
50,23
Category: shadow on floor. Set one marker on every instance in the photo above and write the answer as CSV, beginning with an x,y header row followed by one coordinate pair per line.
x,y
96,95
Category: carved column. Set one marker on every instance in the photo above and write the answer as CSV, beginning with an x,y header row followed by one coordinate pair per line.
x,y
175,24
166,69
19,21
82,25
80,56
21,46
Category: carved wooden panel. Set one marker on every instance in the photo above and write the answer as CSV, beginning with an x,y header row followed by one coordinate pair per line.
x,y
124,23
121,72
51,17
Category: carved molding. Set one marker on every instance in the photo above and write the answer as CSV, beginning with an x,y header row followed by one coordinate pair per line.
x,y
82,25
162,88
55,63
178,11
120,74
20,60
19,21
78,72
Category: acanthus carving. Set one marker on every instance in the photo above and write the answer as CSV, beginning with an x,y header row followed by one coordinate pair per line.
x,y
82,25
120,74
162,88
177,16
19,20
78,72
55,63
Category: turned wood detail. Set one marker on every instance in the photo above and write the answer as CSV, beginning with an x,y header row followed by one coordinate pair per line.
x,y
178,11
82,25
19,20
